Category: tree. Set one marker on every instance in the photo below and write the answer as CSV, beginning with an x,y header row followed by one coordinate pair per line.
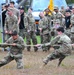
x,y
70,1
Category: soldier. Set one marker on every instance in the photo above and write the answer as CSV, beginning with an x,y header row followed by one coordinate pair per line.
x,y
44,30
72,25
15,11
64,49
62,10
67,22
30,28
21,25
16,48
57,15
10,23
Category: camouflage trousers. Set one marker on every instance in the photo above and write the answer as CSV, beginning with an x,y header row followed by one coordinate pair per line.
x,y
22,33
60,53
45,39
31,35
9,58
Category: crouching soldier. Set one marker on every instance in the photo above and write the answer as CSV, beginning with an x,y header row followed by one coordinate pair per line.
x,y
16,47
64,49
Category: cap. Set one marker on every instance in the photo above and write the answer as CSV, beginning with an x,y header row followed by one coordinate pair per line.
x,y
6,5
68,10
55,7
14,33
21,7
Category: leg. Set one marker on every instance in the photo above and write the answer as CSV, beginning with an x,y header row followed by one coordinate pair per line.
x,y
28,40
34,40
51,56
60,60
19,63
6,60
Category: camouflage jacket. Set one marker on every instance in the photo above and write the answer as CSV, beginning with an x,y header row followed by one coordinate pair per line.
x,y
11,23
65,43
29,22
16,50
43,23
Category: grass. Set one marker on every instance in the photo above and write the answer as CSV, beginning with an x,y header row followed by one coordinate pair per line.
x,y
33,62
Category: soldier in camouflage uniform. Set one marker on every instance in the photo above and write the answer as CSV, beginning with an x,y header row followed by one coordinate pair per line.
x,y
57,15
15,10
10,23
15,52
64,49
30,28
44,30
72,25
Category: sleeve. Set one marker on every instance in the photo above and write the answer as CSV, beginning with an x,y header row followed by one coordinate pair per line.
x,y
26,22
15,25
55,40
22,44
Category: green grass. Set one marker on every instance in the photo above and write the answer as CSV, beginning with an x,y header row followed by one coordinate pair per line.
x,y
38,40
0,37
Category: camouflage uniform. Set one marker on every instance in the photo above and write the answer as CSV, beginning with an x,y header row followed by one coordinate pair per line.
x,y
63,51
16,12
72,28
43,23
15,52
57,15
30,27
11,25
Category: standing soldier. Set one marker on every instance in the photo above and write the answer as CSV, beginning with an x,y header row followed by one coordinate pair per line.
x,y
15,53
10,23
15,11
44,30
72,25
21,24
68,22
64,48
30,28
57,15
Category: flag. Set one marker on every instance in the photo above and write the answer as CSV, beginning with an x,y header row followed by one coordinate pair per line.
x,y
51,5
